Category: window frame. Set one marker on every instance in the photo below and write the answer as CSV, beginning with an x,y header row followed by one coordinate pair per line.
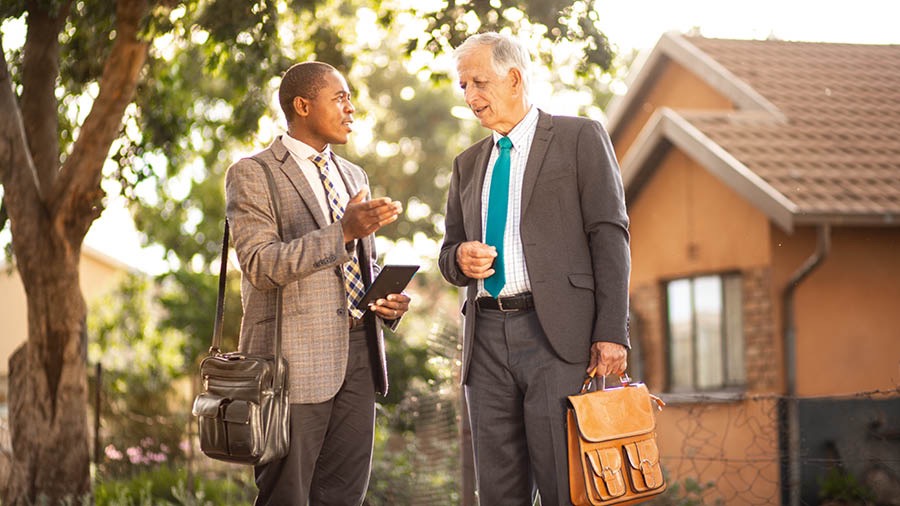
x,y
731,319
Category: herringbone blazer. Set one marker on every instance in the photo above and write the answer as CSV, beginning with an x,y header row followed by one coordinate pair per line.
x,y
574,230
306,262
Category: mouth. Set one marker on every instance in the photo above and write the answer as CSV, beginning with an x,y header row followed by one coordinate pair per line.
x,y
348,124
479,110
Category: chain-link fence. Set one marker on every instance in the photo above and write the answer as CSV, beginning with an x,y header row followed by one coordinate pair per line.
x,y
735,451
714,449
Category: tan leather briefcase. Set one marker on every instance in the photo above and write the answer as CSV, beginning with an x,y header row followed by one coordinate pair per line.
x,y
613,457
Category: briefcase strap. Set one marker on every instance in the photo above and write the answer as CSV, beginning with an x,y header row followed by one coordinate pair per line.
x,y
223,272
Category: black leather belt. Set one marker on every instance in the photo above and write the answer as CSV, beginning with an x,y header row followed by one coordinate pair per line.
x,y
521,302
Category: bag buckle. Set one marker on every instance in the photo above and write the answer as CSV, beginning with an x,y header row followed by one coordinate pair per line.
x,y
623,378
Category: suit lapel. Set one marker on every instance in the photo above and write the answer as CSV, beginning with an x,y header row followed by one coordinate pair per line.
x,y
293,172
473,206
353,185
543,134
347,176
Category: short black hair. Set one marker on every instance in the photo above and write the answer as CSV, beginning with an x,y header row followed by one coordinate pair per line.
x,y
303,79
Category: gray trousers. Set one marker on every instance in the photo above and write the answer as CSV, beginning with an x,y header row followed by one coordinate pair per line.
x,y
331,444
516,391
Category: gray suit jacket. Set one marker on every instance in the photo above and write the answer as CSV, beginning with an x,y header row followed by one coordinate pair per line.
x,y
306,262
574,233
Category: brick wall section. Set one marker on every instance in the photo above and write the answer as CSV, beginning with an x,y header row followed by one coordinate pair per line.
x,y
649,328
761,358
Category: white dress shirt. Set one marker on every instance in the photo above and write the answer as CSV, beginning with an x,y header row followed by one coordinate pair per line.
x,y
301,153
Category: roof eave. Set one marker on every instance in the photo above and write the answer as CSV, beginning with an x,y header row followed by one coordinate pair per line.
x,y
849,219
668,126
677,48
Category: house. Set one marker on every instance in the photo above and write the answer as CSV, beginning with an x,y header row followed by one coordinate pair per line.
x,y
762,179
99,274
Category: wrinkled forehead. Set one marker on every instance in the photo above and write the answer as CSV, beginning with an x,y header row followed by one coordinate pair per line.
x,y
475,63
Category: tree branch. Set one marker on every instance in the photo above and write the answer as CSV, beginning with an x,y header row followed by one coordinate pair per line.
x,y
17,173
76,193
40,69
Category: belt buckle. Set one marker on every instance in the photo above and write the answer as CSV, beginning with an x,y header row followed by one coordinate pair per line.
x,y
500,306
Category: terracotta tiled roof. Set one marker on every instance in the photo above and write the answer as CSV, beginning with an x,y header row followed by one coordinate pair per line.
x,y
836,151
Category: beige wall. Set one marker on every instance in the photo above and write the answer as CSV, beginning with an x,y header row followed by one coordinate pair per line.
x,y
685,221
848,310
99,274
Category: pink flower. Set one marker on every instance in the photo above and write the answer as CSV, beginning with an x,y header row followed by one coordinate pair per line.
x,y
112,453
134,455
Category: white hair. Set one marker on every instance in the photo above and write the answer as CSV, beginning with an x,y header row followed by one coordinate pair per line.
x,y
506,53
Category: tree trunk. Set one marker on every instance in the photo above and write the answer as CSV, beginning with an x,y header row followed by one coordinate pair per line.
x,y
48,388
50,210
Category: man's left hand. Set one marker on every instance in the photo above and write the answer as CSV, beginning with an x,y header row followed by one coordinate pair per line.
x,y
391,307
608,358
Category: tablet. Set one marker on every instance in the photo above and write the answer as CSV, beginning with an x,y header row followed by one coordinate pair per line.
x,y
391,279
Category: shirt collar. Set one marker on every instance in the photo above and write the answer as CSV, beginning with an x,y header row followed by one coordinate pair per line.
x,y
302,150
522,129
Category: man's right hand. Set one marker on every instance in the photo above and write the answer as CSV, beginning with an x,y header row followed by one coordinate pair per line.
x,y
475,259
364,217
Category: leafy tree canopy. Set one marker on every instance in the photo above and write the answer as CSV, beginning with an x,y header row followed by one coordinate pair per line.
x,y
206,74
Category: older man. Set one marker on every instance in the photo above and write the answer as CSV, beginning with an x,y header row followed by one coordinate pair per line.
x,y
537,231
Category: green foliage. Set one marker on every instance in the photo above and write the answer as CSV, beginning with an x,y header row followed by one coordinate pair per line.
x,y
558,20
189,304
839,485
417,451
164,485
142,422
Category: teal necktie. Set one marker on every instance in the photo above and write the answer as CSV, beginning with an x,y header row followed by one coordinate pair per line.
x,y
498,202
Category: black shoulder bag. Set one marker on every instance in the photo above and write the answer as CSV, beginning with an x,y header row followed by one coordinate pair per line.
x,y
244,410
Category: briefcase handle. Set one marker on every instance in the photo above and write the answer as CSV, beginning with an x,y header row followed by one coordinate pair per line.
x,y
623,379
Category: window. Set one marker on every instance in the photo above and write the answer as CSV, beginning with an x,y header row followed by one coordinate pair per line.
x,y
706,341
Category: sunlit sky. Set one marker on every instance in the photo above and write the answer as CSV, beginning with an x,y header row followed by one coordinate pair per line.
x,y
638,24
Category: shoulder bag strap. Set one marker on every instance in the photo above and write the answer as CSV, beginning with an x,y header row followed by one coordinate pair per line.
x,y
220,300
223,270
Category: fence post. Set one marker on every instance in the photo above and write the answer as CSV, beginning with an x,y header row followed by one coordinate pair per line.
x,y
98,387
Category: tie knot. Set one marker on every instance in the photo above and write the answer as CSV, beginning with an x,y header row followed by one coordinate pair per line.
x,y
320,161
504,142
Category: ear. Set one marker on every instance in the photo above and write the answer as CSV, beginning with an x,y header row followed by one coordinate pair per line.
x,y
515,80
301,106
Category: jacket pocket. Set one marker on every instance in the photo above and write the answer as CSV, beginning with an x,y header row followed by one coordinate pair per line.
x,y
585,281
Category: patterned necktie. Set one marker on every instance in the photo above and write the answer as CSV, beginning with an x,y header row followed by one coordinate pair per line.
x,y
353,282
498,201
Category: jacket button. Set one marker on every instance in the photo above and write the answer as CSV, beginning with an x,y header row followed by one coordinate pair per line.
x,y
340,312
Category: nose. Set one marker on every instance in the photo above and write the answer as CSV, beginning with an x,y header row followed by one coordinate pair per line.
x,y
469,94
348,107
